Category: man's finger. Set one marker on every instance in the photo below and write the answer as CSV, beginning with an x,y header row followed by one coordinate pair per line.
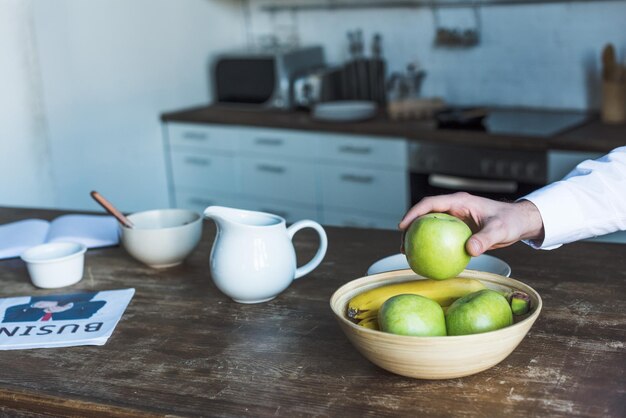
x,y
442,203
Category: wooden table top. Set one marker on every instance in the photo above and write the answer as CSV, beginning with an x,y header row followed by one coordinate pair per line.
x,y
182,348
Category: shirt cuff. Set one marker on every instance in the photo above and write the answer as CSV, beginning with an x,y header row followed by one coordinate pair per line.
x,y
559,210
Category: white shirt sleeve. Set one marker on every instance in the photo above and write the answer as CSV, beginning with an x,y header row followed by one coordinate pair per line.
x,y
588,202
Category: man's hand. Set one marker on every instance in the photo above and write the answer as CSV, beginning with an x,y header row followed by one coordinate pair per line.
x,y
494,224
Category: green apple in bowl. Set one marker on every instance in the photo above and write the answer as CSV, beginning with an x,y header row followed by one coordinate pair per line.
x,y
408,314
434,246
481,311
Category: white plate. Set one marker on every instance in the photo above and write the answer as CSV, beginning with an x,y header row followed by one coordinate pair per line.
x,y
344,110
483,262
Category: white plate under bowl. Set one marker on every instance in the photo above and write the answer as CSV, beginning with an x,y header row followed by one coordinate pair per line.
x,y
483,262
344,110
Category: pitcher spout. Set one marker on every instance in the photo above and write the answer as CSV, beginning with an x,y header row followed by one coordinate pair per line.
x,y
219,214
245,218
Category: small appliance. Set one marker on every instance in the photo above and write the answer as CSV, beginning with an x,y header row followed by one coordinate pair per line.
x,y
263,77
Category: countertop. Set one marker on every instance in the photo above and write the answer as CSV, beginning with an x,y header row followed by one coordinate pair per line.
x,y
182,348
592,136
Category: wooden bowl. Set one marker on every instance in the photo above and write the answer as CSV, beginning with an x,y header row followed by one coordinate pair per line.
x,y
433,357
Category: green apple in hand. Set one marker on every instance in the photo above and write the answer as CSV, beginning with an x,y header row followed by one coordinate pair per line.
x,y
434,246
482,311
412,315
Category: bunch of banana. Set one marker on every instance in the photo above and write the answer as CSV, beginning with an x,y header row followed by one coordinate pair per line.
x,y
364,306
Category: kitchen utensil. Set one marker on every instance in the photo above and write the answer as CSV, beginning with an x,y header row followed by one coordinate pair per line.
x,y
377,71
610,69
433,357
483,262
163,237
253,259
55,264
108,206
345,111
461,118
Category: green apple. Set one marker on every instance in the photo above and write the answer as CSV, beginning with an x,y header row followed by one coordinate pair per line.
x,y
412,315
434,246
482,311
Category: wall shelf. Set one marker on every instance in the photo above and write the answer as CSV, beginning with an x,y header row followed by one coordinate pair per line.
x,y
281,6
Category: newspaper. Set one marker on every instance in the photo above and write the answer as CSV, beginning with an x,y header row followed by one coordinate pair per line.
x,y
61,320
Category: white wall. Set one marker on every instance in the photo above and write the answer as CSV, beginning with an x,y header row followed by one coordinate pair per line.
x,y
25,171
109,69
530,55
97,74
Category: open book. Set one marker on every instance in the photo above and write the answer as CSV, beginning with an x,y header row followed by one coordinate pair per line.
x,y
90,230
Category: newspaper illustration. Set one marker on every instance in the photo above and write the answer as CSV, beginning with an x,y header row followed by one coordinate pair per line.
x,y
61,320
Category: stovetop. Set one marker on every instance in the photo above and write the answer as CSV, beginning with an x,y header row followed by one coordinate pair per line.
x,y
532,123
517,122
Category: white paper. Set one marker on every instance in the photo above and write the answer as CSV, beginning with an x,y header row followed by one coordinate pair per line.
x,y
61,320
93,231
18,236
90,230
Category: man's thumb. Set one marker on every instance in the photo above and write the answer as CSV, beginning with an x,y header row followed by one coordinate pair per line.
x,y
475,245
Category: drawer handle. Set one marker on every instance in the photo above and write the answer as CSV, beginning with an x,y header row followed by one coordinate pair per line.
x,y
200,201
352,149
355,178
195,136
271,142
197,161
274,169
280,213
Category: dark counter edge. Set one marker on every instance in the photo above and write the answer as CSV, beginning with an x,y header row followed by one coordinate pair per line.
x,y
592,136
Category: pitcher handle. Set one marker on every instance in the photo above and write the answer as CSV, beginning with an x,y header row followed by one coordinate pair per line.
x,y
321,251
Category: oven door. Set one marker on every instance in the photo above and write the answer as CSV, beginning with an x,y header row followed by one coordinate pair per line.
x,y
432,184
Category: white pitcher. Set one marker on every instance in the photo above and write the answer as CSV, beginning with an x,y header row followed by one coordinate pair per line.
x,y
253,258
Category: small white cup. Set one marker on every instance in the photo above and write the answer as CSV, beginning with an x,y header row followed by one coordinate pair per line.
x,y
56,264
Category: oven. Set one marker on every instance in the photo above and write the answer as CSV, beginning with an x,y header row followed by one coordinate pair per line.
x,y
500,174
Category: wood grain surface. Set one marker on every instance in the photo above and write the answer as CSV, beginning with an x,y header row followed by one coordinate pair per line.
x,y
184,349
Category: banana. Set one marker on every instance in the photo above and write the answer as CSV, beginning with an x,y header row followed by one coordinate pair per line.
x,y
520,302
444,292
370,322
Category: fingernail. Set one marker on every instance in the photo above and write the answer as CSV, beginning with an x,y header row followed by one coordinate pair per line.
x,y
475,247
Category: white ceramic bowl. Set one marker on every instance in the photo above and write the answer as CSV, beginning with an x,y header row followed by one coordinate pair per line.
x,y
56,264
163,237
433,357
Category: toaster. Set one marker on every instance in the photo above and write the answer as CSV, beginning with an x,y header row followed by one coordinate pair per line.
x,y
320,85
263,77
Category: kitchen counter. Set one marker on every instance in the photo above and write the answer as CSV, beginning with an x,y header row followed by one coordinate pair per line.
x,y
182,348
592,136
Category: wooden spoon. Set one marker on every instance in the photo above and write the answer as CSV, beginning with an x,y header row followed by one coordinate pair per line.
x,y
111,209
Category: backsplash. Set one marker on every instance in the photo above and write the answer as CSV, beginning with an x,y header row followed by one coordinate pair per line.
x,y
544,55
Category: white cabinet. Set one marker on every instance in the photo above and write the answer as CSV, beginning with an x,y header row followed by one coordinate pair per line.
x,y
202,165
286,180
345,180
365,190
364,180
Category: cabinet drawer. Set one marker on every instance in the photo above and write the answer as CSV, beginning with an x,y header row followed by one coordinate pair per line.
x,y
289,181
367,190
279,143
204,171
203,136
290,212
198,200
356,220
362,150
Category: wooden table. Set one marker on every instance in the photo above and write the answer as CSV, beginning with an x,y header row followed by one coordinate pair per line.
x,y
182,348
